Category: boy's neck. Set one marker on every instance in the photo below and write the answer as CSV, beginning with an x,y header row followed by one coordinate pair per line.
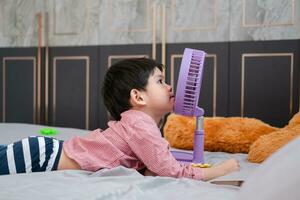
x,y
156,118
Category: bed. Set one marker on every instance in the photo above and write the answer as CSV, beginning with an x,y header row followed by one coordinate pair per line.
x,y
123,183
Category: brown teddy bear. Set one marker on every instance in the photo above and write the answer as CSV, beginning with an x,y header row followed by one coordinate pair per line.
x,y
228,134
231,134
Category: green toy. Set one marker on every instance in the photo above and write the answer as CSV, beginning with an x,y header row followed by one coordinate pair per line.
x,y
48,131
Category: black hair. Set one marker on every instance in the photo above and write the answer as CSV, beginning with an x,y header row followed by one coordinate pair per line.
x,y
121,78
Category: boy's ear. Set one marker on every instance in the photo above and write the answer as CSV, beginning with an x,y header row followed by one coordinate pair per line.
x,y
136,98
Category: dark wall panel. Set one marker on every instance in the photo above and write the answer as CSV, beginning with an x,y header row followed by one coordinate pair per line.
x,y
18,85
20,91
70,92
267,88
73,87
264,80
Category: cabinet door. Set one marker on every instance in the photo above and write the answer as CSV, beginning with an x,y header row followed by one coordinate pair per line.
x,y
264,80
19,86
72,98
214,90
110,55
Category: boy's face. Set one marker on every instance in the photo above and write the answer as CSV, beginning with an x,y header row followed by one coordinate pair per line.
x,y
158,96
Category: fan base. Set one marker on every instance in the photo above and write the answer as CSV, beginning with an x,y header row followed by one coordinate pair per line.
x,y
184,157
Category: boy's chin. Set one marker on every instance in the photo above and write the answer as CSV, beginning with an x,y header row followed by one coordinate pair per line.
x,y
169,108
166,111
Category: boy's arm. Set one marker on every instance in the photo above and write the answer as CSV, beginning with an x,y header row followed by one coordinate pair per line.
x,y
153,150
147,144
213,172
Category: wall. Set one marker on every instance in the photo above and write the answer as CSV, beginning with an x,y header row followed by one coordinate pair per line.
x,y
106,22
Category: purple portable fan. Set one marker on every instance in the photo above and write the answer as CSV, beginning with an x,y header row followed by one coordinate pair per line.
x,y
186,101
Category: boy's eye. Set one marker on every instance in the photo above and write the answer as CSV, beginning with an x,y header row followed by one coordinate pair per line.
x,y
160,81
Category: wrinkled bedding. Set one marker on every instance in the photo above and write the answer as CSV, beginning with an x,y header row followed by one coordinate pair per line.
x,y
118,183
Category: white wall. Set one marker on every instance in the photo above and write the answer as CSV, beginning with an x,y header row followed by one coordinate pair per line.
x,y
101,22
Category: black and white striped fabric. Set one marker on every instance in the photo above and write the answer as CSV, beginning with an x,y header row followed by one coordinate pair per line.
x,y
32,154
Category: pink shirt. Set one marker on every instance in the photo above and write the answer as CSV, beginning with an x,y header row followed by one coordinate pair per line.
x,y
133,142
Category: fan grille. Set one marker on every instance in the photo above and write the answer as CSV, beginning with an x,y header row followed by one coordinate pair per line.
x,y
189,82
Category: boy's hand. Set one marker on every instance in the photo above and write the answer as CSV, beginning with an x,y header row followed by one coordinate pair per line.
x,y
221,169
230,165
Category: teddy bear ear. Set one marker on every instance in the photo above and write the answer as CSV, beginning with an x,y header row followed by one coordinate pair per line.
x,y
277,178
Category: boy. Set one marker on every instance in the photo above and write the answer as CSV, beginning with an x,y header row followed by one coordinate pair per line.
x,y
136,97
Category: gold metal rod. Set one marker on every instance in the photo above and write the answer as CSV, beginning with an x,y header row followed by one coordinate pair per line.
x,y
154,31
242,85
291,84
38,71
46,68
215,86
3,91
87,92
163,35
